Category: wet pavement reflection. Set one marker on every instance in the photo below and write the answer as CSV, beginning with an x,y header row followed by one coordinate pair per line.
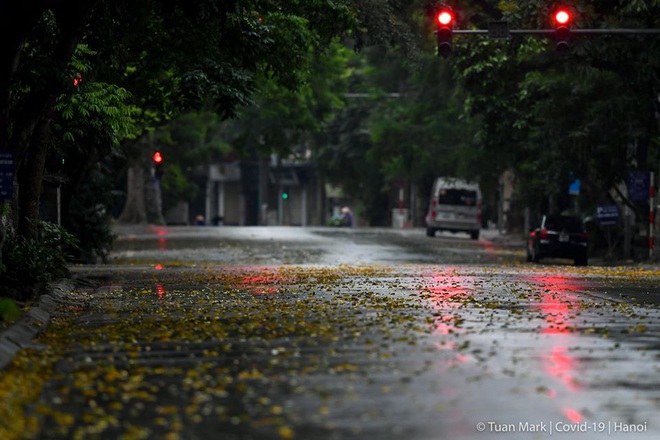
x,y
288,334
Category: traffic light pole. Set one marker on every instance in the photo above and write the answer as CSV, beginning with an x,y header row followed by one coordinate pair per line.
x,y
499,30
562,29
552,31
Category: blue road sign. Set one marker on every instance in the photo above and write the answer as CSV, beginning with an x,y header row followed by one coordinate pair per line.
x,y
638,186
607,215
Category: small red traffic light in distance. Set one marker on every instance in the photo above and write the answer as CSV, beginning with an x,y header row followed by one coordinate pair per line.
x,y
158,164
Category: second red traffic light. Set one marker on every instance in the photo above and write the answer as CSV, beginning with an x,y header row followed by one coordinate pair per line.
x,y
562,21
444,20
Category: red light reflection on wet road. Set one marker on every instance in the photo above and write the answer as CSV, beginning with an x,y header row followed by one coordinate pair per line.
x,y
557,306
490,249
258,285
444,291
260,281
573,415
560,364
161,232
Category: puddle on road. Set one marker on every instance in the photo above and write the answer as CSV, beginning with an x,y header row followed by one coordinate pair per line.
x,y
553,338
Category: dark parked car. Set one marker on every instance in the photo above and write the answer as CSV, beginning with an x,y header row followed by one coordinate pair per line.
x,y
559,236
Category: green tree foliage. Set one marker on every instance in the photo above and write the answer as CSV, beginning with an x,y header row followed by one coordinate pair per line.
x,y
492,106
32,262
9,310
188,141
142,63
215,59
506,105
344,160
89,217
550,116
281,119
286,120
402,124
207,54
89,123
419,134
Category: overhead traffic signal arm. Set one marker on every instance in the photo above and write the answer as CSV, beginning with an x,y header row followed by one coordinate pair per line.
x,y
551,32
562,30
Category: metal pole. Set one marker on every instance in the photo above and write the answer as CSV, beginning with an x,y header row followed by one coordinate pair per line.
x,y
59,205
572,32
401,218
208,201
303,205
651,216
221,202
280,205
626,233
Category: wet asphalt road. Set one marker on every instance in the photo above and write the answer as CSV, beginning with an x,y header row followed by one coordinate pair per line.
x,y
319,333
291,245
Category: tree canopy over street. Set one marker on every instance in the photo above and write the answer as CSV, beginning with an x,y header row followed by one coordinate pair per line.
x,y
88,88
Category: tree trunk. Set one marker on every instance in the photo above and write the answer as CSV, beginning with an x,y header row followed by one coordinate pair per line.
x,y
135,209
143,195
76,167
30,177
31,128
153,200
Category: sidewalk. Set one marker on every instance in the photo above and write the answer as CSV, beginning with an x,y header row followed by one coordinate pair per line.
x,y
21,334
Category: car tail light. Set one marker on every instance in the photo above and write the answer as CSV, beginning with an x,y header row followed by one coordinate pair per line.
x,y
434,203
584,236
543,233
479,212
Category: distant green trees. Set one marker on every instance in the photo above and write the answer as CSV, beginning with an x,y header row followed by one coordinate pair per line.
x,y
512,105
551,117
84,84
86,90
401,124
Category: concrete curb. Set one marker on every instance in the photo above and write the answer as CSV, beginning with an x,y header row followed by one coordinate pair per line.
x,y
35,320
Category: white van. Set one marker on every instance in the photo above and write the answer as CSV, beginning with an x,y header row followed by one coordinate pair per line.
x,y
455,206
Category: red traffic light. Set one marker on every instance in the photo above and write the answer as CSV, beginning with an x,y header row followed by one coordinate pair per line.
x,y
562,21
157,157
562,17
445,17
